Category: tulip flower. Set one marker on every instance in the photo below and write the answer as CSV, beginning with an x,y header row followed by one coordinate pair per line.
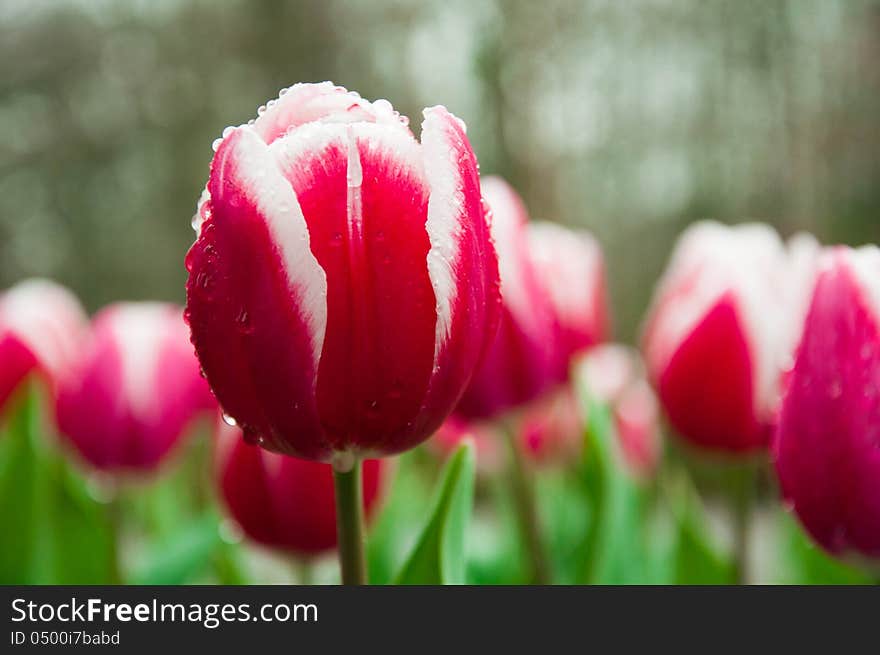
x,y
572,272
283,502
343,284
133,388
827,446
550,430
719,331
41,325
523,361
613,375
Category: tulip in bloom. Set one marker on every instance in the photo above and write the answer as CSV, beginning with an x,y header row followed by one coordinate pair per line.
x,y
614,375
522,363
827,446
41,326
720,330
343,284
572,272
133,389
283,502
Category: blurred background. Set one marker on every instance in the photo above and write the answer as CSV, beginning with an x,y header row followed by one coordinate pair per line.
x,y
631,119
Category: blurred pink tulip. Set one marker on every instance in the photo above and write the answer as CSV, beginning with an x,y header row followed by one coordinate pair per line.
x,y
522,362
41,327
614,375
571,270
722,327
827,446
134,388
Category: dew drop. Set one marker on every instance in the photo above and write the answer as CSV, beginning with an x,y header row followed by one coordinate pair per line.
x,y
229,420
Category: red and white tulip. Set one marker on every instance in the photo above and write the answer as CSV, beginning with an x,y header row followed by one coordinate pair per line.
x,y
284,502
827,446
133,389
343,284
572,273
720,330
41,327
522,362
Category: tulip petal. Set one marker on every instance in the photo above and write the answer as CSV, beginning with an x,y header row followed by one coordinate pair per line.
x,y
462,263
256,300
827,448
365,200
706,386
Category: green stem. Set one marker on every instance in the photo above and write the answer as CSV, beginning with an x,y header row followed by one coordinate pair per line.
x,y
114,517
742,497
527,509
350,524
304,572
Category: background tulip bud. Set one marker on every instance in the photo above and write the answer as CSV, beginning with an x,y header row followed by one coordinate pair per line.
x,y
41,326
285,502
572,272
343,284
827,447
718,332
614,375
133,389
521,363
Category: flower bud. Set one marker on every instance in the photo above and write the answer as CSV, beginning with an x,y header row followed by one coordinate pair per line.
x,y
720,329
133,389
41,326
827,445
343,284
283,502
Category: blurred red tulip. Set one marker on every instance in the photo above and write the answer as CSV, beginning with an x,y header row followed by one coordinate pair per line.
x,y
720,329
522,362
827,447
133,389
284,502
41,326
343,284
572,273
486,436
550,430
614,375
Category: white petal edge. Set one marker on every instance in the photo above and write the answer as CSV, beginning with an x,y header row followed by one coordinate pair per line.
x,y
257,172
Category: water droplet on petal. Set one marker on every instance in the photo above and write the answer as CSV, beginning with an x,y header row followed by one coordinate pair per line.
x,y
229,420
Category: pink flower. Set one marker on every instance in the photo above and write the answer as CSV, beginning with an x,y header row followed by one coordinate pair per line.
x,y
571,269
283,502
41,325
486,436
720,330
133,389
343,284
522,363
550,430
614,375
827,446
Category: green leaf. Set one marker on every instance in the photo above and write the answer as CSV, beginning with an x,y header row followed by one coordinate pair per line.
x,y
62,534
183,556
613,550
697,560
439,555
395,530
